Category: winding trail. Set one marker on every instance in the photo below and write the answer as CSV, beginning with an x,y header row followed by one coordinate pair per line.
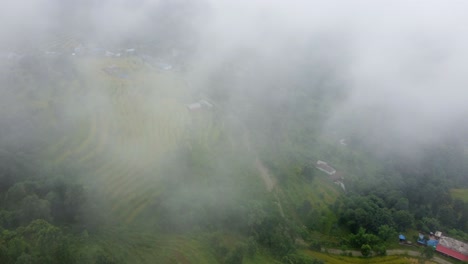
x,y
390,252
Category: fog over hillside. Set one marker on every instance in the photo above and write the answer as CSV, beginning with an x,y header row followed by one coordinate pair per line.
x,y
401,64
219,131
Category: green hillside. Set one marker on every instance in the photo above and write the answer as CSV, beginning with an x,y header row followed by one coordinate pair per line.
x,y
150,156
133,164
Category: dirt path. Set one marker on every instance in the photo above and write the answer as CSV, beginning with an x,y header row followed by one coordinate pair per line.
x,y
265,174
390,252
270,183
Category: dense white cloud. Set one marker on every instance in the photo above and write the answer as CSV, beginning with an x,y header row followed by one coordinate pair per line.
x,y
403,58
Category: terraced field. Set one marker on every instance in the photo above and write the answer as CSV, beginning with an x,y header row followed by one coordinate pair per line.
x,y
118,133
138,247
120,144
330,258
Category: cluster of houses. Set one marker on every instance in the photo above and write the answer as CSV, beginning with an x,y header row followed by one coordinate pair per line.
x,y
81,50
153,62
335,176
443,244
432,241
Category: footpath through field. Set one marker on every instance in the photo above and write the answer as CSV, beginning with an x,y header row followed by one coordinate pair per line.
x,y
390,252
264,173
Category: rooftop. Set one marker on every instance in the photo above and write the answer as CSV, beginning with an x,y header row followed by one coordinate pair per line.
x,y
453,248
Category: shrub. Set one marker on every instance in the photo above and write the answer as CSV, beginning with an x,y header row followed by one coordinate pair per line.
x,y
366,250
315,245
380,250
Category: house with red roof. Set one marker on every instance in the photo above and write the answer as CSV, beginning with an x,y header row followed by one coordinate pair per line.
x,y
453,248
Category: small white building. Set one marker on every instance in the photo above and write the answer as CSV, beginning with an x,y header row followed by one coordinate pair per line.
x,y
323,166
201,104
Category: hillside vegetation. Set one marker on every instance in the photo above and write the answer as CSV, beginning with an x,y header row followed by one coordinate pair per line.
x,y
120,170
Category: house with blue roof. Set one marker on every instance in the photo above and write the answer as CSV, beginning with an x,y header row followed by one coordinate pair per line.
x,y
432,243
421,239
402,238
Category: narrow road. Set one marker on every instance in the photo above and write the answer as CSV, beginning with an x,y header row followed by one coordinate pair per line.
x,y
390,252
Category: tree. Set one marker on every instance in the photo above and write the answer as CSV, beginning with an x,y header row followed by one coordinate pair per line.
x,y
103,258
402,204
447,216
366,250
15,194
429,224
281,241
236,256
304,209
15,248
34,208
252,247
362,238
380,250
7,219
308,172
25,259
386,232
45,239
428,252
403,220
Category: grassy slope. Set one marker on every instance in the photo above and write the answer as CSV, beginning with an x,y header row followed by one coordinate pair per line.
x,y
461,194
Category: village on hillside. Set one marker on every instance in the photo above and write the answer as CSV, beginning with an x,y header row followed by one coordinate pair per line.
x,y
444,245
72,48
